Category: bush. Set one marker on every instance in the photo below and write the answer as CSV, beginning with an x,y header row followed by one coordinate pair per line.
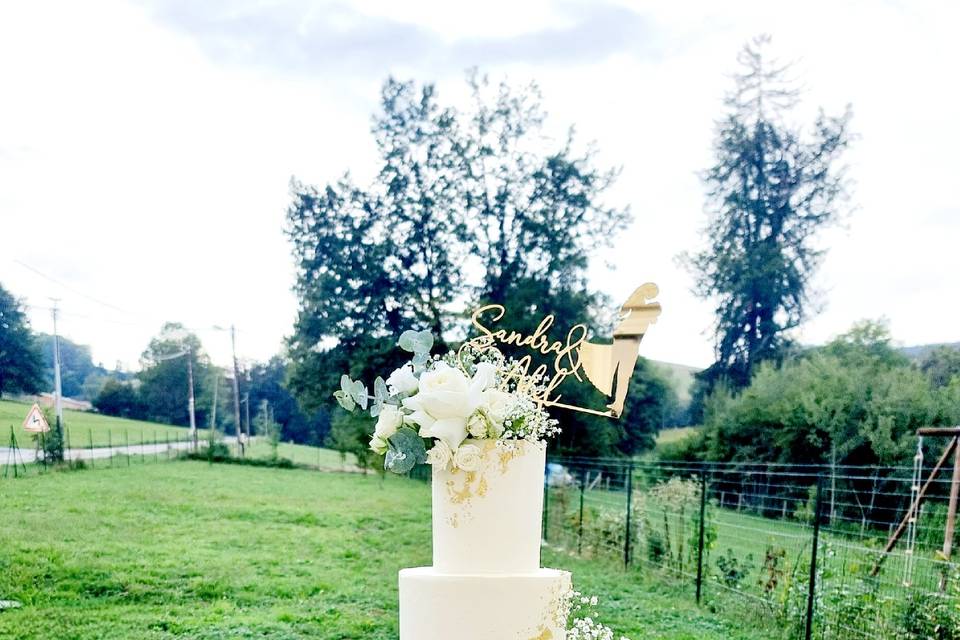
x,y
121,399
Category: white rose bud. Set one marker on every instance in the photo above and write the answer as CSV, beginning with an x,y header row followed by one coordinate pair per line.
x,y
402,380
467,457
439,456
388,422
477,426
378,445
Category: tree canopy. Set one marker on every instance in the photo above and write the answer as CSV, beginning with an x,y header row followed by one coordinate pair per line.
x,y
468,205
770,190
854,401
21,362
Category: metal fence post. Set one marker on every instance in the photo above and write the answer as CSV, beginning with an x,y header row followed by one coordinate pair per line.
x,y
43,450
703,513
546,505
626,541
583,484
812,585
110,445
90,446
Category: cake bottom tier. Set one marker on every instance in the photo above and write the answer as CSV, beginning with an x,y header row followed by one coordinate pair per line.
x,y
526,606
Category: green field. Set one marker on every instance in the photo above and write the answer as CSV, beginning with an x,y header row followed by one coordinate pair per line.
x,y
190,550
326,459
85,427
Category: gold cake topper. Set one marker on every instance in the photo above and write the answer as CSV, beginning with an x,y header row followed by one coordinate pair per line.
x,y
608,367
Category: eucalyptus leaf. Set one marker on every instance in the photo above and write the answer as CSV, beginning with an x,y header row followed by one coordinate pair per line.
x,y
406,450
345,401
416,341
380,391
376,408
359,393
346,384
407,339
421,359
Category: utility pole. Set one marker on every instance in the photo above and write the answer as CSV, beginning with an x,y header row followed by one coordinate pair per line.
x,y
246,406
57,391
191,403
213,411
236,389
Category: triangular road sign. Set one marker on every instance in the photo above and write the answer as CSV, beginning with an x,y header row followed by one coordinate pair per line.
x,y
35,421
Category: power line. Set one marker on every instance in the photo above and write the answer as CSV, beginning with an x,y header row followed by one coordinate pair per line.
x,y
68,287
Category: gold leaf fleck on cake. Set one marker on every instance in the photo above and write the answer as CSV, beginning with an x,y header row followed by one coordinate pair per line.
x,y
543,633
463,495
482,487
506,455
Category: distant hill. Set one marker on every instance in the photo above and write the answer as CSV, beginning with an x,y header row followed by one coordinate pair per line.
x,y
919,352
680,377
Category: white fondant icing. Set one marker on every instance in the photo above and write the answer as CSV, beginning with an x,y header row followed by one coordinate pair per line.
x,y
440,606
489,521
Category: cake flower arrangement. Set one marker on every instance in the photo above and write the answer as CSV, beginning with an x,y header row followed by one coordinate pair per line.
x,y
449,404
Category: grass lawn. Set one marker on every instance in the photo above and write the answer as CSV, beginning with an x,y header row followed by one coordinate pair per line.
x,y
327,459
84,427
190,550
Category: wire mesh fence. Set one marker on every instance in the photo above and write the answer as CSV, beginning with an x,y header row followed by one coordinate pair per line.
x,y
88,448
33,454
815,552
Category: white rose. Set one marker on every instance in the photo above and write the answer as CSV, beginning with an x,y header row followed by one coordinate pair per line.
x,y
402,380
484,377
388,422
440,455
467,457
443,404
419,416
445,393
477,426
453,431
496,403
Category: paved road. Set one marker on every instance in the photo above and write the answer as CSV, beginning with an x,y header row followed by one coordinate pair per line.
x,y
30,455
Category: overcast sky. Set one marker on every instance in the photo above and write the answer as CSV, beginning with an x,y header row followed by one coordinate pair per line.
x,y
146,147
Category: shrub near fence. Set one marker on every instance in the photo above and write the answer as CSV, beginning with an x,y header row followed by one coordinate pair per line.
x,y
799,548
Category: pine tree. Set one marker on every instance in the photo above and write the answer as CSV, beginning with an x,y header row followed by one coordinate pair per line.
x,y
769,192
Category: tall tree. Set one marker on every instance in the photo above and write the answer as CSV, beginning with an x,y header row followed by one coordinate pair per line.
x,y
164,384
770,190
76,365
536,211
267,381
942,365
21,363
467,206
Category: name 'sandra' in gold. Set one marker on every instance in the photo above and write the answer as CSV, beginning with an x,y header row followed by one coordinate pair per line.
x,y
607,366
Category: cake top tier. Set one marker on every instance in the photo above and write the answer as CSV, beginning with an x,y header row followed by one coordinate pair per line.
x,y
487,519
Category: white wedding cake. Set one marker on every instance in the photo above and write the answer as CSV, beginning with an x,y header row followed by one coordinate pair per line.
x,y
480,420
486,582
